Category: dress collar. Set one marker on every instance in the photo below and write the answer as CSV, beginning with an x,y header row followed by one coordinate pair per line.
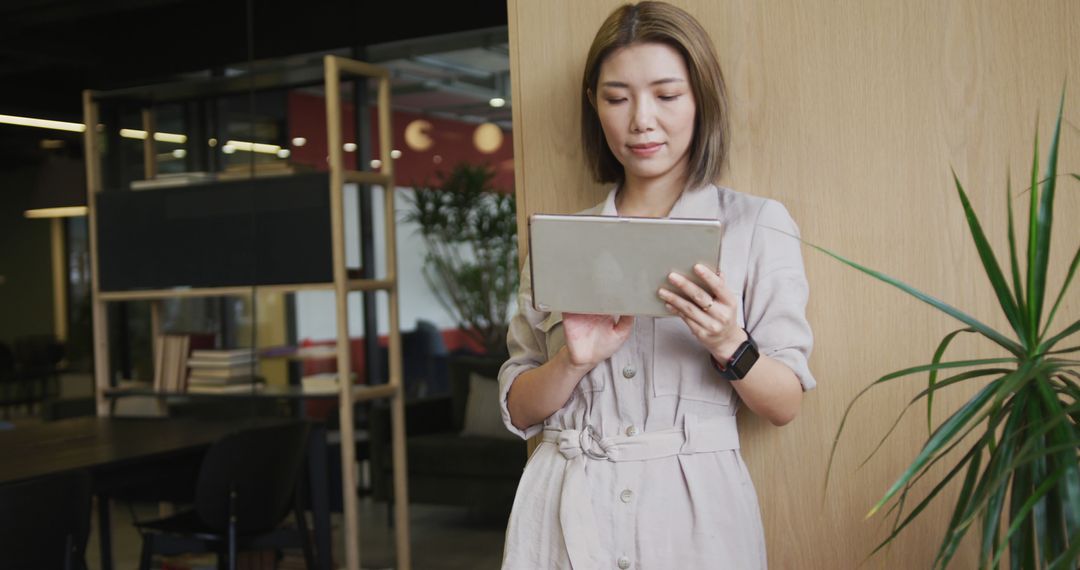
x,y
701,202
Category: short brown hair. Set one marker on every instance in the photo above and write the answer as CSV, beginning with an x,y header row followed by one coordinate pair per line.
x,y
657,22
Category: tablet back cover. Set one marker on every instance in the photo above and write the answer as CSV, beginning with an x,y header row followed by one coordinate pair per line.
x,y
614,265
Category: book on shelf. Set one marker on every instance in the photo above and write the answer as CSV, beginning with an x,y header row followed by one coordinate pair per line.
x,y
196,379
170,359
220,371
247,387
239,360
229,355
170,369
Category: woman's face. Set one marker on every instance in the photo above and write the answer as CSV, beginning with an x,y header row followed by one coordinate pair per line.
x,y
647,109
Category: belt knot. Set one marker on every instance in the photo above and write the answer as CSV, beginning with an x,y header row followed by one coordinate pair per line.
x,y
573,443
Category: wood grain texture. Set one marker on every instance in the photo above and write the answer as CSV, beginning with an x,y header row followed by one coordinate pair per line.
x,y
851,114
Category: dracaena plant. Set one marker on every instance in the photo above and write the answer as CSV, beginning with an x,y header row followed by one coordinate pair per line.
x,y
470,231
1013,446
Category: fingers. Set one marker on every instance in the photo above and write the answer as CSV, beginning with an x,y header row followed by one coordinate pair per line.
x,y
717,283
690,305
698,330
624,325
691,291
685,308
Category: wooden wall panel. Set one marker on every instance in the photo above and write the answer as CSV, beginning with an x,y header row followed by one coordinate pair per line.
x,y
851,114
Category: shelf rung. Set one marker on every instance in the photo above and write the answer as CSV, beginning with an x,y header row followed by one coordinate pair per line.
x,y
155,294
361,68
370,284
367,177
363,393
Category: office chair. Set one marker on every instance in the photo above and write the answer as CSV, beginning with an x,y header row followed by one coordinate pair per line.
x,y
38,358
248,483
11,387
45,522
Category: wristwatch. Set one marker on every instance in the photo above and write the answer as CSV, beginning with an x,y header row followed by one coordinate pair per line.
x,y
738,366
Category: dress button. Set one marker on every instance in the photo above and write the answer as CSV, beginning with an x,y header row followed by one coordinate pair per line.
x,y
629,371
631,431
624,563
626,495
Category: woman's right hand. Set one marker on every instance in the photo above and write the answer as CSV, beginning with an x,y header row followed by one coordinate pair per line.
x,y
592,339
540,392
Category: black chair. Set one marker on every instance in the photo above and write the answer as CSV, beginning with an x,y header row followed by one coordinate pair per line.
x,y
45,522
248,483
37,361
424,362
11,386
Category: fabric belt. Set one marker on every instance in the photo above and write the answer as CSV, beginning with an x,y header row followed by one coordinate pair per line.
x,y
578,446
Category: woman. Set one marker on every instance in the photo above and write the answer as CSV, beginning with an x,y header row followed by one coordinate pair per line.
x,y
640,465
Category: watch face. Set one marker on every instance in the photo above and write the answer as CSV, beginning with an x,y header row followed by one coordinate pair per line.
x,y
744,360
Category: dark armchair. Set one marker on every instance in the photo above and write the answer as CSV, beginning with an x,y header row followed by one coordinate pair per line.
x,y
446,467
29,374
424,360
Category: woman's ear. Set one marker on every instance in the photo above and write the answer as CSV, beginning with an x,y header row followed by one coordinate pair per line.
x,y
592,98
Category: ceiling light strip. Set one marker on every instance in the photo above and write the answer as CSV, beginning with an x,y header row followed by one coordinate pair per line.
x,y
160,137
254,147
62,212
42,123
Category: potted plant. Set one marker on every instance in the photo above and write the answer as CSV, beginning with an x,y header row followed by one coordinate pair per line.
x,y
1019,477
471,235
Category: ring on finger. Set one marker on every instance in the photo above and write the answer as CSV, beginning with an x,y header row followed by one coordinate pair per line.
x,y
709,306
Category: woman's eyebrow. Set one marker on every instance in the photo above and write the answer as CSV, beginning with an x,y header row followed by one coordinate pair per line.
x,y
620,84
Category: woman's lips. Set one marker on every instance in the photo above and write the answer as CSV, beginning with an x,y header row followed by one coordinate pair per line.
x,y
646,149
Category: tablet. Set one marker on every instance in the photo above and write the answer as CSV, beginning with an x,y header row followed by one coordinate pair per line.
x,y
614,265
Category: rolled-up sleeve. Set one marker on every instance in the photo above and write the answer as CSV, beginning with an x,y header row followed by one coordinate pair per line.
x,y
777,293
526,342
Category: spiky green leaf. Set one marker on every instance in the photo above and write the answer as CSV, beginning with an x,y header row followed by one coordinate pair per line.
x,y
989,261
1045,219
957,314
938,354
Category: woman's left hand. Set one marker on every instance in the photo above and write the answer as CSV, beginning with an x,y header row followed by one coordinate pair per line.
x,y
711,315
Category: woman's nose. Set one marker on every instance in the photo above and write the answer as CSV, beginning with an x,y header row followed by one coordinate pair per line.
x,y
643,118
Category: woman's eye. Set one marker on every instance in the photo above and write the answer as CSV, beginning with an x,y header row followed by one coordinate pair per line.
x,y
670,97
615,100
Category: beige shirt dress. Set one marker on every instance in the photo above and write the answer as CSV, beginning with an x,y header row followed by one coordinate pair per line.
x,y
641,467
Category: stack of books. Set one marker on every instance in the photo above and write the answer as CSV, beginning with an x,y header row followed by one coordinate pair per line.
x,y
222,371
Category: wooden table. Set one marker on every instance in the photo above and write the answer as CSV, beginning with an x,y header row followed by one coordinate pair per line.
x,y
112,448
296,394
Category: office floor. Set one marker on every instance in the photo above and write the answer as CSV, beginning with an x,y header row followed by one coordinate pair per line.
x,y
443,538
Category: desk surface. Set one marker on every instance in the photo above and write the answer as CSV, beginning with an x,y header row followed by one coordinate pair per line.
x,y
55,447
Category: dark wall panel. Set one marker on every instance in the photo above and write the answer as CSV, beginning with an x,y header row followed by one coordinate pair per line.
x,y
250,232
